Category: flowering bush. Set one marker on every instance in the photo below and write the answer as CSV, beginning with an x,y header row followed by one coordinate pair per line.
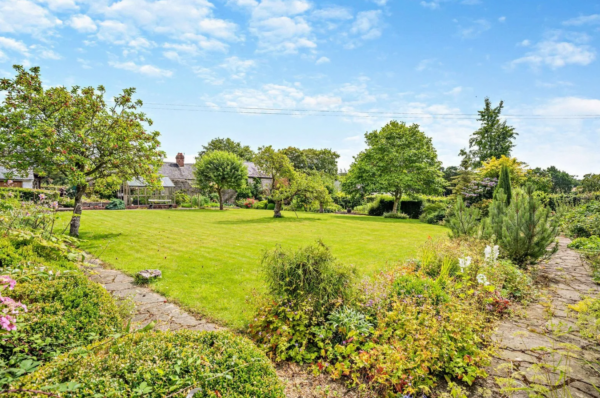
x,y
9,308
157,364
249,203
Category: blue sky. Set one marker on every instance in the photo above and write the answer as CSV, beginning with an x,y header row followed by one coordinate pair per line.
x,y
346,64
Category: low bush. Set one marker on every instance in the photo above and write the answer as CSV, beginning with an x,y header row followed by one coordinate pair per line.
x,y
65,201
262,205
271,206
588,319
200,201
181,197
583,221
385,204
27,194
157,364
591,244
433,213
464,221
116,204
400,216
420,289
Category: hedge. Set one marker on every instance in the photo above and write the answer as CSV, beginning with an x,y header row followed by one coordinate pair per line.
x,y
574,199
157,364
385,204
29,194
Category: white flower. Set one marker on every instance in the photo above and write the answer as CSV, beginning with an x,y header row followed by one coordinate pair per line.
x,y
496,252
488,253
464,263
482,280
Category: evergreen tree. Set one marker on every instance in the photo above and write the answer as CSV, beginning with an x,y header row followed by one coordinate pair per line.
x,y
493,139
504,185
527,229
497,211
464,221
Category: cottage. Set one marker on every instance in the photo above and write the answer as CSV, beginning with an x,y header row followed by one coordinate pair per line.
x,y
18,180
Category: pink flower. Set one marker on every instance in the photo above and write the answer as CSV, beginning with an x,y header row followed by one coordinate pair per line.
x,y
7,322
9,182
42,196
54,205
7,280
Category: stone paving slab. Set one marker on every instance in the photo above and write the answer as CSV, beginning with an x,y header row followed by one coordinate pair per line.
x,y
519,339
149,306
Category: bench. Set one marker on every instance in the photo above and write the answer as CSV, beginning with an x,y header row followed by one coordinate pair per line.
x,y
152,202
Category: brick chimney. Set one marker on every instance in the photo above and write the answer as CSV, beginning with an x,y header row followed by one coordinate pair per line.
x,y
180,159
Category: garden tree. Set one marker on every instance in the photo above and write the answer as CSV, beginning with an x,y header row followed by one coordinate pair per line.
x,y
504,186
493,139
493,167
227,145
220,170
278,167
450,173
464,176
76,134
307,188
323,160
399,159
497,210
561,180
540,179
591,183
464,220
527,229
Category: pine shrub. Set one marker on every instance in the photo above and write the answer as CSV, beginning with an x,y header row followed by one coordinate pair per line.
x,y
464,221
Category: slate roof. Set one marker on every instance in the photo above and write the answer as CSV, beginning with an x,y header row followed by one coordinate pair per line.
x,y
166,182
174,172
16,177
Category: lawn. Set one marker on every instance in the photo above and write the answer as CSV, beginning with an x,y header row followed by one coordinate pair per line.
x,y
211,260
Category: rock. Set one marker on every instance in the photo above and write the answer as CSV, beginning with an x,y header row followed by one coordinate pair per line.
x,y
149,274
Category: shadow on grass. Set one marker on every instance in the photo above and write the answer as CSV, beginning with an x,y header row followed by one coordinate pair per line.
x,y
92,237
375,219
268,220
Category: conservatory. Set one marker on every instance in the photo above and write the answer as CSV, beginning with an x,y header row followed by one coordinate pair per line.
x,y
137,193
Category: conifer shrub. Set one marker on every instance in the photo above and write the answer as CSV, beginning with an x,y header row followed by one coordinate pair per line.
x,y
464,220
157,364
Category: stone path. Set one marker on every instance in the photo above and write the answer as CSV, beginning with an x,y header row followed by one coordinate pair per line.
x,y
551,323
149,306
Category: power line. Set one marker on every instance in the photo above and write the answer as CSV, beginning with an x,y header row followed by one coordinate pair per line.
x,y
360,114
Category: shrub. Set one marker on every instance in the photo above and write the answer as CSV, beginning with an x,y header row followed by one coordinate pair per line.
x,y
589,318
181,198
385,204
433,213
583,221
591,244
200,201
271,206
160,363
310,272
27,194
347,319
420,289
64,312
66,202
260,205
115,204
464,220
400,216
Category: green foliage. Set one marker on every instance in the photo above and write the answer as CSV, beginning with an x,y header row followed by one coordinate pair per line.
x,y
385,204
497,212
227,145
586,244
271,206
527,228
347,319
181,197
76,133
310,272
464,220
220,170
590,183
588,320
420,289
27,194
561,180
583,220
399,159
262,205
433,213
400,216
160,363
320,160
504,185
540,179
494,138
116,204
200,201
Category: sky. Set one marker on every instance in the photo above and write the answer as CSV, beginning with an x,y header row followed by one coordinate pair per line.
x,y
329,71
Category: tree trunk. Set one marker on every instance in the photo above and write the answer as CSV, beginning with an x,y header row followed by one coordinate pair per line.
x,y
76,218
397,199
277,210
321,208
220,200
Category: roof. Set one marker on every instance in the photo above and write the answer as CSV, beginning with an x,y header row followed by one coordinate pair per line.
x,y
166,182
254,172
174,172
15,176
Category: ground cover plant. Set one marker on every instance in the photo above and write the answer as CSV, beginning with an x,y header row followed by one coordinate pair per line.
x,y
211,260
399,333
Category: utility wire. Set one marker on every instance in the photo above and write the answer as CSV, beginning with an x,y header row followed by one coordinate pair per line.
x,y
363,114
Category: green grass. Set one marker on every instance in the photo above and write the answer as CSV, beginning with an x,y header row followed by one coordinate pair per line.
x,y
211,260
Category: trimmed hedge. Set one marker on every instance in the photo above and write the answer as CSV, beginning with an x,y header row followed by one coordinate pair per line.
x,y
157,364
29,194
385,204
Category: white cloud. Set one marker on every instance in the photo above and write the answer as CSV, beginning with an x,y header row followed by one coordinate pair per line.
x,y
85,64
454,91
13,45
208,75
148,70
219,28
61,5
432,5
323,60
474,29
274,8
380,2
49,54
556,54
339,13
425,64
24,16
83,23
525,43
583,20
321,102
502,19
238,67
367,24
116,32
283,34
141,43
